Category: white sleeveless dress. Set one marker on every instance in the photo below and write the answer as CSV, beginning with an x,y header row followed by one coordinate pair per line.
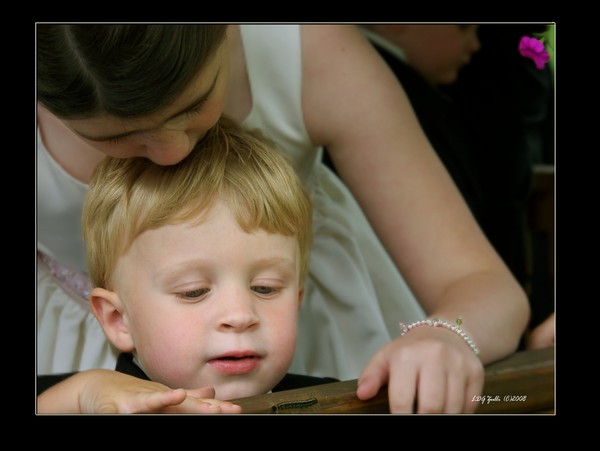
x,y
354,296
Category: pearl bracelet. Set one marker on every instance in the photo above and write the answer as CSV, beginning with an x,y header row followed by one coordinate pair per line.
x,y
441,323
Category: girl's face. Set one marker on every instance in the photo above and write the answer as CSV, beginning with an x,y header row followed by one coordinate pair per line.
x,y
168,136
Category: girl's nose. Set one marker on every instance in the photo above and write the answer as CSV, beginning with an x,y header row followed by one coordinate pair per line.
x,y
167,147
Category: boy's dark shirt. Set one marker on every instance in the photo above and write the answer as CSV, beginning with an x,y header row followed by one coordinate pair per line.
x,y
125,365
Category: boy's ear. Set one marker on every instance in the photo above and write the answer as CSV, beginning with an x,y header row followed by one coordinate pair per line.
x,y
300,297
109,311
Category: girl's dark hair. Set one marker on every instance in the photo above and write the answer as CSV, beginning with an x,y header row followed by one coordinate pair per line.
x,y
123,70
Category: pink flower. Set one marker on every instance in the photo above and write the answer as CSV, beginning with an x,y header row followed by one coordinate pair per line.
x,y
534,49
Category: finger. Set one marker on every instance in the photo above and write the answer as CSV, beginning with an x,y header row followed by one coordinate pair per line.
x,y
211,406
159,400
473,388
172,397
374,376
146,402
202,392
455,395
208,393
432,386
229,407
542,336
402,387
192,405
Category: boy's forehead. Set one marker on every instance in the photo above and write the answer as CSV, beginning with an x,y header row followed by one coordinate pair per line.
x,y
199,236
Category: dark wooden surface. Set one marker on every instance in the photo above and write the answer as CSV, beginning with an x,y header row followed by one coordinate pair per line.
x,y
541,207
521,383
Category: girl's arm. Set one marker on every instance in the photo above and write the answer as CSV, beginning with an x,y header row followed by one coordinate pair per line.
x,y
354,105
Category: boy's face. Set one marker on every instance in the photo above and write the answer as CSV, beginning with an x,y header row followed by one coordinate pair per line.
x,y
210,305
438,52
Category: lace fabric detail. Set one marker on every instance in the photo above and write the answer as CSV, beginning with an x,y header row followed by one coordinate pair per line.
x,y
76,283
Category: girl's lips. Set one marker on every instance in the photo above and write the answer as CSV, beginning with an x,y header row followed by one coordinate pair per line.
x,y
236,362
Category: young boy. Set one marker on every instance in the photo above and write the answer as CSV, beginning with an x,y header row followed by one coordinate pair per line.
x,y
198,269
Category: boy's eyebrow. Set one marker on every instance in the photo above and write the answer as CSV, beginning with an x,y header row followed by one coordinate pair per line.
x,y
170,274
193,105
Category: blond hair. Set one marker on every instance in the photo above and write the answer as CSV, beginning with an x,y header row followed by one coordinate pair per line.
x,y
129,196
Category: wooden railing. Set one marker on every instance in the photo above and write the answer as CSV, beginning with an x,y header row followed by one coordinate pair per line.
x,y
521,383
541,207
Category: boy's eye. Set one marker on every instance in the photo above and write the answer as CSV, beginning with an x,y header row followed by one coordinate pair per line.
x,y
263,290
194,294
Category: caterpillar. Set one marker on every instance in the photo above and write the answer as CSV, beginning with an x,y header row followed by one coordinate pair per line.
x,y
294,404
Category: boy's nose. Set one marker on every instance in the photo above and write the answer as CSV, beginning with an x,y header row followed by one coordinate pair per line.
x,y
474,43
238,314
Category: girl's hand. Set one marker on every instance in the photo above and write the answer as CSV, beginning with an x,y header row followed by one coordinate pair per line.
x,y
427,370
543,335
106,391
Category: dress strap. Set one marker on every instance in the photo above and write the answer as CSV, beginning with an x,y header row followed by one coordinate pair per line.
x,y
76,283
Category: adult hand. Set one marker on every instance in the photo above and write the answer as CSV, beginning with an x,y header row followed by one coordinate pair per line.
x,y
543,335
109,392
114,392
427,370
